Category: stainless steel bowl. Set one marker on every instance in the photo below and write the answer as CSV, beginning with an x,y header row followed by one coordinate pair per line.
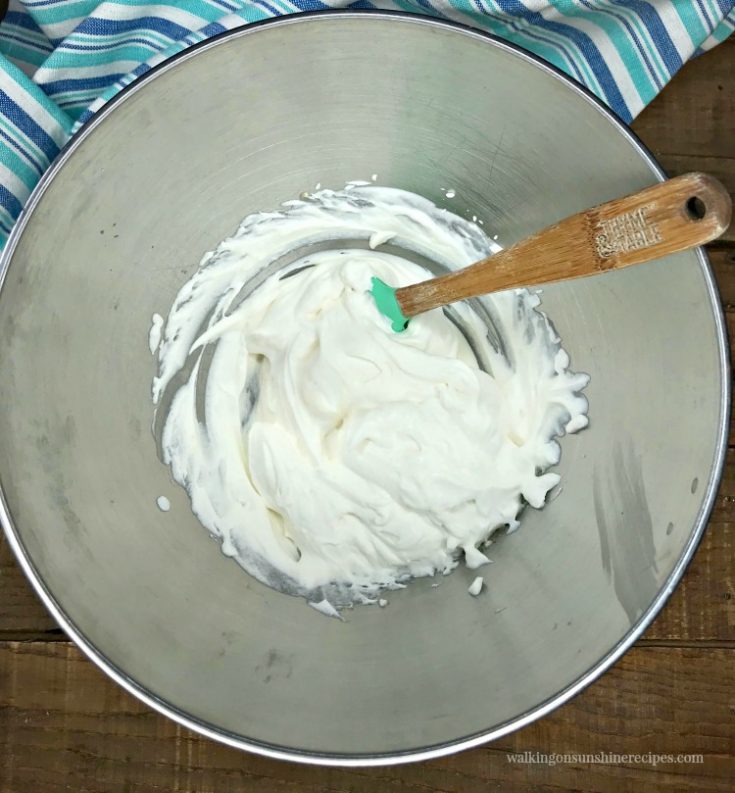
x,y
169,169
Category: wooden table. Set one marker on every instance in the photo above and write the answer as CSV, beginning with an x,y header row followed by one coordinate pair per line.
x,y
65,727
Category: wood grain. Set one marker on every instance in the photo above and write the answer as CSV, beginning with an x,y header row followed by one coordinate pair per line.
x,y
680,213
723,168
694,117
21,611
722,259
65,727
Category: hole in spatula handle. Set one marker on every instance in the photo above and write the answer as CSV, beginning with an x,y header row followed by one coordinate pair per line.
x,y
696,209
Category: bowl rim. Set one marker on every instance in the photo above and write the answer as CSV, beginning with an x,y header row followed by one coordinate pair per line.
x,y
326,758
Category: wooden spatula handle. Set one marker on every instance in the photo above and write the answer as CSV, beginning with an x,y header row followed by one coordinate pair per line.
x,y
672,216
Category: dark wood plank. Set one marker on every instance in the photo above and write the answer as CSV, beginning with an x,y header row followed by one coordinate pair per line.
x,y
65,727
690,126
21,611
722,258
693,116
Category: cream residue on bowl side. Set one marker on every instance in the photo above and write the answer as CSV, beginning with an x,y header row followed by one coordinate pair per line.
x,y
332,457
154,334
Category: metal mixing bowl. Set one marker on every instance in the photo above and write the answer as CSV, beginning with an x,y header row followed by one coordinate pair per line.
x,y
120,222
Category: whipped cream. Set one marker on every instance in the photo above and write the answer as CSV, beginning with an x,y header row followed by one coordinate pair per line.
x,y
332,457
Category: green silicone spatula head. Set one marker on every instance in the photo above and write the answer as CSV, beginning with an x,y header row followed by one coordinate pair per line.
x,y
385,300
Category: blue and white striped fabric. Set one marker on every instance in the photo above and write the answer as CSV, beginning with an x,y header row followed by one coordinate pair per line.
x,y
61,60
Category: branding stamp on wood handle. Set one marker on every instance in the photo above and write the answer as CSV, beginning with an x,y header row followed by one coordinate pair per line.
x,y
628,232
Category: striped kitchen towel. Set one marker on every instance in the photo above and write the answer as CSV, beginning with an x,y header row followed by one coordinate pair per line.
x,y
61,60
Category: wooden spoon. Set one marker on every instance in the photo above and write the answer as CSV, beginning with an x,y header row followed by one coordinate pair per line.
x,y
672,216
